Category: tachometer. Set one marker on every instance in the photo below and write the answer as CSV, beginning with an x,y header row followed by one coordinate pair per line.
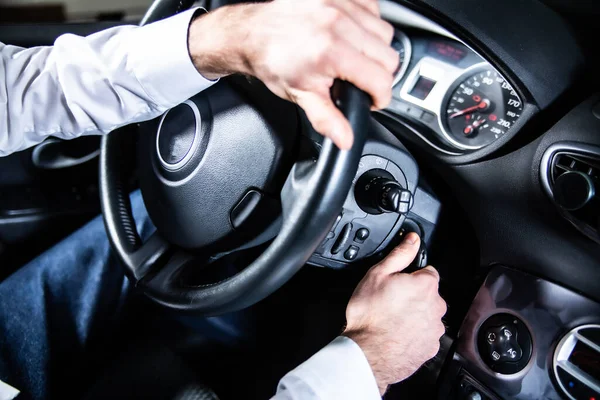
x,y
481,109
401,43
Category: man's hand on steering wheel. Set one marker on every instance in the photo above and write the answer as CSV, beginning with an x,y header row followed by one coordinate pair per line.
x,y
298,49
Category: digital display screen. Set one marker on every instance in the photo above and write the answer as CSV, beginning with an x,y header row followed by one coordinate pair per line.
x,y
422,88
586,360
447,51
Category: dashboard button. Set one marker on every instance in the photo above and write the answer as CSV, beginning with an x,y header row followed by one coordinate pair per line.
x,y
399,106
415,112
474,395
337,221
361,235
342,239
505,346
428,117
351,253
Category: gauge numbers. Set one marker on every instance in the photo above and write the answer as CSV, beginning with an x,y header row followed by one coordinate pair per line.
x,y
481,109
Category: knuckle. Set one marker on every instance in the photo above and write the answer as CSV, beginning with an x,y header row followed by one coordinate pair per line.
x,y
324,48
328,42
393,60
441,330
433,287
331,16
442,307
384,86
427,281
383,89
421,280
386,89
387,30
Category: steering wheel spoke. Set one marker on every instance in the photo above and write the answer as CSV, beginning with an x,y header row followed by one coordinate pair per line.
x,y
153,254
296,184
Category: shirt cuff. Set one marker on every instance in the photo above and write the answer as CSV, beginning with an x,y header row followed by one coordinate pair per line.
x,y
339,371
161,61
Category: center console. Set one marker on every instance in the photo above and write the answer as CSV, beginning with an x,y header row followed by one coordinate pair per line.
x,y
526,338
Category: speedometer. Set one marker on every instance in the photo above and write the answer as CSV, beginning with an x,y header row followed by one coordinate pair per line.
x,y
480,110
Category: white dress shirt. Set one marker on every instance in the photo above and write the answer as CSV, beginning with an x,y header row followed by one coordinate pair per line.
x,y
93,85
339,371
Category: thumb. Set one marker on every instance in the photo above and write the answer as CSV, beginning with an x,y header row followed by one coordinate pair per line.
x,y
401,256
326,118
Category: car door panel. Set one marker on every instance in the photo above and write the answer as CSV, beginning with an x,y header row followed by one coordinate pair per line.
x,y
51,189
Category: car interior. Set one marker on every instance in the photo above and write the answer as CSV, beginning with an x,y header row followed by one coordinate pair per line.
x,y
489,150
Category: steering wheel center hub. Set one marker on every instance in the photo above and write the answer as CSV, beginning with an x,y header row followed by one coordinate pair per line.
x,y
203,157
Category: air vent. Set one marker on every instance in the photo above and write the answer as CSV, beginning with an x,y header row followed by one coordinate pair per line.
x,y
572,162
577,363
570,174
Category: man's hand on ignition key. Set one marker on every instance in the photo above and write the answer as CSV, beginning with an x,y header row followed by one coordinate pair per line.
x,y
396,318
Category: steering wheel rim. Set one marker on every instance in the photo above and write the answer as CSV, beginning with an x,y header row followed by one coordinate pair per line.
x,y
312,198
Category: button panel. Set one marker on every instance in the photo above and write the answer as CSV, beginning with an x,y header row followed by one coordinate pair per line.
x,y
355,233
504,344
358,235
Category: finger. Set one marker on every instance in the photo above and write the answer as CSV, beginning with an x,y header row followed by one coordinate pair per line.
x,y
429,270
442,306
368,44
371,5
326,118
401,256
352,66
368,20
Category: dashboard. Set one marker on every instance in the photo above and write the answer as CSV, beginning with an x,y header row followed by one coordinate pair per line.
x,y
500,121
450,96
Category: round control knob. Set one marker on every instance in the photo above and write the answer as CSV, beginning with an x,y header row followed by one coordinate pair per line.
x,y
573,190
377,192
474,395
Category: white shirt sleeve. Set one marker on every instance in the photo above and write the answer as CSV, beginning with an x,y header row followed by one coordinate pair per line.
x,y
339,371
95,84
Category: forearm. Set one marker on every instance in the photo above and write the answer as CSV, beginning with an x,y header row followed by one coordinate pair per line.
x,y
93,85
338,371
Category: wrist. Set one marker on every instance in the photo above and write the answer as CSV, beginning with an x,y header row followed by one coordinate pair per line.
x,y
364,340
218,41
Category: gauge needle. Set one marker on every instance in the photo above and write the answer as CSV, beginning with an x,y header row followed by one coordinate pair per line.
x,y
481,106
471,128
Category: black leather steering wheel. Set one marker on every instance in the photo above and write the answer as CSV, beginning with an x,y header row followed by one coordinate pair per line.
x,y
311,197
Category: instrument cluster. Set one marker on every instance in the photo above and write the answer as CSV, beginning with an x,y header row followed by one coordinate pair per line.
x,y
444,86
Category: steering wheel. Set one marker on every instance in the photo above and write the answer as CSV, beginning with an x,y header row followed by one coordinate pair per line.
x,y
219,173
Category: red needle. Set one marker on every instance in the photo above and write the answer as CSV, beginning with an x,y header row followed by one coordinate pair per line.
x,y
476,124
471,128
481,106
